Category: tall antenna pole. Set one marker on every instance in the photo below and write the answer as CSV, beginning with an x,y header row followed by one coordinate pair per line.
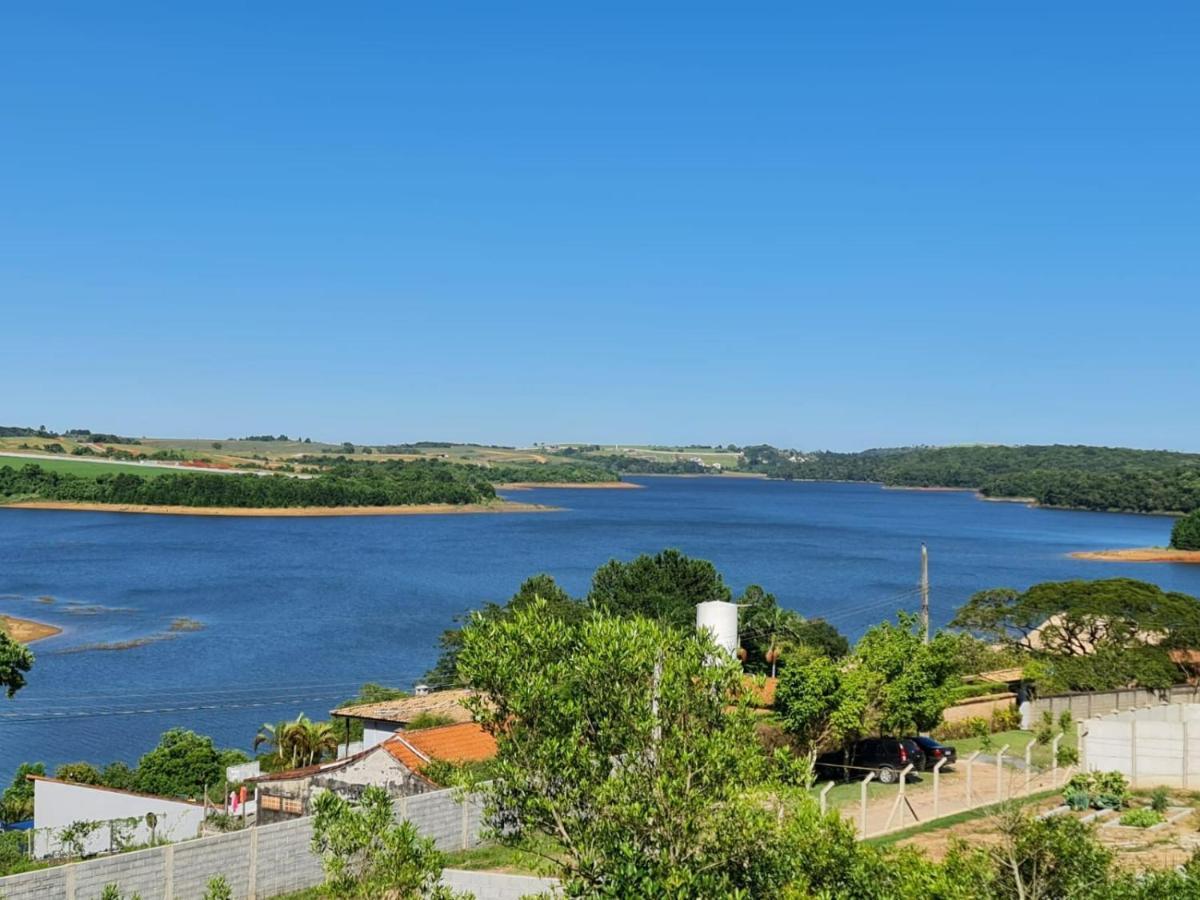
x,y
925,590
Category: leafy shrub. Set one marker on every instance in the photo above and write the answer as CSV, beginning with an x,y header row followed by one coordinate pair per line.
x,y
218,889
1067,756
1066,722
1077,799
1105,790
1111,790
1142,818
1007,719
1159,799
1045,729
428,720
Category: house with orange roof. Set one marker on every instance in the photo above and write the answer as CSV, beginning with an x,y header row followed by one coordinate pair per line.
x,y
397,765
381,720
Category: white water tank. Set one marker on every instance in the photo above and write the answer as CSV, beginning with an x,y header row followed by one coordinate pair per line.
x,y
721,619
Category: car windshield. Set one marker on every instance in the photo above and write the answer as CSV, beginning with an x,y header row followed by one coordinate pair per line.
x,y
925,742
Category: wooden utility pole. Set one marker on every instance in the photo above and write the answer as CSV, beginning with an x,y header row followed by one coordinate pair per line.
x,y
925,590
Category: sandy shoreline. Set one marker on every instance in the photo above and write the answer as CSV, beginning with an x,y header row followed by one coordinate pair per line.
x,y
1140,554
572,485
428,509
26,631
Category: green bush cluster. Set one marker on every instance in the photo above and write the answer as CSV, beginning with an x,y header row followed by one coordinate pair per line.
x,y
1098,790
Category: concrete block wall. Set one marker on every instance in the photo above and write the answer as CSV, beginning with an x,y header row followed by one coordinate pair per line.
x,y
1156,746
1087,705
258,862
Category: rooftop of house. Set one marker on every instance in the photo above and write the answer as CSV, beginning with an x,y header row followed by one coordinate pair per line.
x,y
463,742
401,712
112,790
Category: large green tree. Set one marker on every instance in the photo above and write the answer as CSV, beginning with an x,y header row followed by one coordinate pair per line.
x,y
892,683
540,587
182,765
1088,635
666,587
15,660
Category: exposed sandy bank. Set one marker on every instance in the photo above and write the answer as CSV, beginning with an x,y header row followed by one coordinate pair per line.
x,y
26,631
1141,554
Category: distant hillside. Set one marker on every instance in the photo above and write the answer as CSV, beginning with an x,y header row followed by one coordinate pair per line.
x,y
1100,478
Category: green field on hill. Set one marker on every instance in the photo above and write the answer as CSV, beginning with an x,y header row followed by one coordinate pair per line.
x,y
83,467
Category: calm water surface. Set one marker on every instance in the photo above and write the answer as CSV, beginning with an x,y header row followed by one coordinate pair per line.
x,y
298,611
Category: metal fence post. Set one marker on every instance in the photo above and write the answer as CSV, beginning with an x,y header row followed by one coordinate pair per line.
x,y
1054,759
970,775
1000,772
937,796
899,798
824,795
862,814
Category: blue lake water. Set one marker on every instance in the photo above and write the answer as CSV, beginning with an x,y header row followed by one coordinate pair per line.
x,y
298,611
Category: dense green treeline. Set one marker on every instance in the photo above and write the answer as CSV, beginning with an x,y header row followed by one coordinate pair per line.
x,y
1186,533
508,473
390,484
1084,477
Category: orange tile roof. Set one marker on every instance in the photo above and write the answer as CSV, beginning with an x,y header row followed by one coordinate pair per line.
x,y
464,742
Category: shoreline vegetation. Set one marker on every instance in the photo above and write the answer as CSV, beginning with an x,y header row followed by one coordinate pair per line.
x,y
569,485
26,631
1141,554
411,509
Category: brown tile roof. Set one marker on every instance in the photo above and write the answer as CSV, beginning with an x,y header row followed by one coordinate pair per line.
x,y
441,703
464,742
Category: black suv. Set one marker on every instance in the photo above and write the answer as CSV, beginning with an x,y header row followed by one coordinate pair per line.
x,y
886,756
935,751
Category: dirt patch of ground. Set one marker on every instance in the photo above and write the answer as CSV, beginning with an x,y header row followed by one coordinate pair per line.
x,y
26,631
429,509
1142,554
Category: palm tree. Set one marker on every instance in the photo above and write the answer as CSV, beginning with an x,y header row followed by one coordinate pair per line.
x,y
280,739
311,741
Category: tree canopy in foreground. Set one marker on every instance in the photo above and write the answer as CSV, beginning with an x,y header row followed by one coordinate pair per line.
x,y
624,742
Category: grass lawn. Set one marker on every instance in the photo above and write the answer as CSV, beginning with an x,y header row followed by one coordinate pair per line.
x,y
845,793
1017,741
75,466
497,858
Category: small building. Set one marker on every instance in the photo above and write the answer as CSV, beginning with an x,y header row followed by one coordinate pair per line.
x,y
395,764
382,720
118,818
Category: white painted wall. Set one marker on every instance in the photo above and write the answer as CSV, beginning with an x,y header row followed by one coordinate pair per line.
x,y
58,804
376,732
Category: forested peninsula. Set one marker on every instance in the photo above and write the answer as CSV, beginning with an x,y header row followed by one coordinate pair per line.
x,y
392,484
1075,477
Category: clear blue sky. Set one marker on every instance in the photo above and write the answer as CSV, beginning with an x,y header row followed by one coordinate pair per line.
x,y
614,222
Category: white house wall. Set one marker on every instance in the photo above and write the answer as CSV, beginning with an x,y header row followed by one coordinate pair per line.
x,y
57,805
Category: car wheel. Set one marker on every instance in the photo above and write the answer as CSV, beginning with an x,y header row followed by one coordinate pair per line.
x,y
887,775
